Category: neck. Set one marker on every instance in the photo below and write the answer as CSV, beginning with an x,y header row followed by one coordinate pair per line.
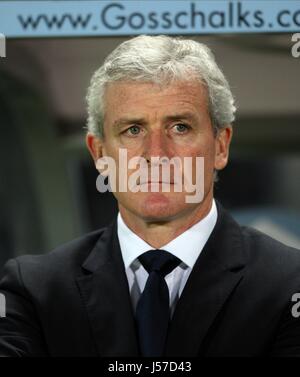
x,y
159,233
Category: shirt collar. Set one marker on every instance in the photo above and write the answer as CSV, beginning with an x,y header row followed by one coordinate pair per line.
x,y
132,246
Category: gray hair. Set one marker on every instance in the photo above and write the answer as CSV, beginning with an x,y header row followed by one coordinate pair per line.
x,y
161,59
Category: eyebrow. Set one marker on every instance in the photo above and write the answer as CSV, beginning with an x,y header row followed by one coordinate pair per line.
x,y
186,115
128,120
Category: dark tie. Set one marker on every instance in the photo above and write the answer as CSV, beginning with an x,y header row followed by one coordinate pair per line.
x,y
153,308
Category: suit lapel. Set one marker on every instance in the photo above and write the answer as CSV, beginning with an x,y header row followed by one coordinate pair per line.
x,y
105,293
217,272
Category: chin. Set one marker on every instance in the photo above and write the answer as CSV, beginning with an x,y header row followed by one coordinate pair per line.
x,y
154,206
158,206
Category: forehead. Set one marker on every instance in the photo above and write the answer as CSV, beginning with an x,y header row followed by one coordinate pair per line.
x,y
130,98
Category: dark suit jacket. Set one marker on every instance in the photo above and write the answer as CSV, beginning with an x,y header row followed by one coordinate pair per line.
x,y
75,300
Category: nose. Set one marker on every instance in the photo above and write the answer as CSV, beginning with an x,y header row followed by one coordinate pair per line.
x,y
156,144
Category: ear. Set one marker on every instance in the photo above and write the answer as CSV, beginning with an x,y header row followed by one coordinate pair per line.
x,y
95,146
222,145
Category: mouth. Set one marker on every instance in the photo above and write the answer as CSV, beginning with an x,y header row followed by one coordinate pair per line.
x,y
156,182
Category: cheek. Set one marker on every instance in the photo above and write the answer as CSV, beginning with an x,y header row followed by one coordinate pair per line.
x,y
112,149
204,149
207,153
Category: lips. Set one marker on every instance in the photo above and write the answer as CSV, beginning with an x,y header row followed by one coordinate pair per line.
x,y
156,182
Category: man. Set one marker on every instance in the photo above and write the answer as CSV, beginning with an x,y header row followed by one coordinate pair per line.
x,y
170,276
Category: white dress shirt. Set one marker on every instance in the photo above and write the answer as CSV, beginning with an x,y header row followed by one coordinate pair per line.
x,y
187,247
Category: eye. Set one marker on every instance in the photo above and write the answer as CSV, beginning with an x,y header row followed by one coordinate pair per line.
x,y
133,130
181,128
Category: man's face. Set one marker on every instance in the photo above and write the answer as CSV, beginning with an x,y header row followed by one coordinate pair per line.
x,y
153,121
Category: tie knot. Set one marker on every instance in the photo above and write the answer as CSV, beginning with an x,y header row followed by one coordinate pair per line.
x,y
160,261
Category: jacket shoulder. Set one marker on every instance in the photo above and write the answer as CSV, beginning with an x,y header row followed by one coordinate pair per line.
x,y
269,255
59,266
253,237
